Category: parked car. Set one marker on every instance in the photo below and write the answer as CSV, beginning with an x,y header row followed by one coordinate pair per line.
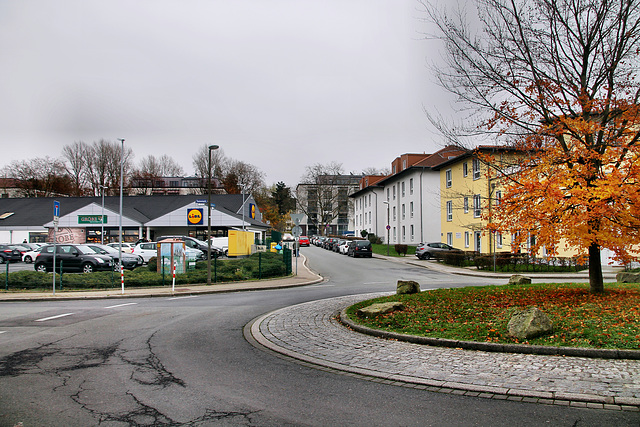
x,y
129,261
192,242
8,253
434,250
149,250
32,246
303,241
29,256
337,244
360,248
344,247
126,247
72,258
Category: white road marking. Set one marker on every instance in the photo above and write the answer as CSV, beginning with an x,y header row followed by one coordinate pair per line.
x,y
2,332
321,286
122,305
186,296
54,317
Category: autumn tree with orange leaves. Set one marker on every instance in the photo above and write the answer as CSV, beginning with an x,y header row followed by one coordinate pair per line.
x,y
556,79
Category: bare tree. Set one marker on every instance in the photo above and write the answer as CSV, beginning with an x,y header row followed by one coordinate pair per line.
x,y
77,156
322,195
201,162
40,177
243,177
558,80
104,166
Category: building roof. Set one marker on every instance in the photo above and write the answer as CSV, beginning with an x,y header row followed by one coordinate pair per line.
x,y
39,210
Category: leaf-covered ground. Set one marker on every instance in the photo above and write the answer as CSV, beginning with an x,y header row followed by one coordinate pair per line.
x,y
581,319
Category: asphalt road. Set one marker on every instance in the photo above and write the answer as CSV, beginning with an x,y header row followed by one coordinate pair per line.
x,y
185,361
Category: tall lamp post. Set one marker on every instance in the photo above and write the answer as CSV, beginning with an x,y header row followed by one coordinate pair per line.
x,y
388,226
211,147
102,187
120,221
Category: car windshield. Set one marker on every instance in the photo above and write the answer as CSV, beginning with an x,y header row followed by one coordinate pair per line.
x,y
85,250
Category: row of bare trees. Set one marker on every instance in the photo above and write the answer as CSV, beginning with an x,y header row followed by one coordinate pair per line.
x,y
84,169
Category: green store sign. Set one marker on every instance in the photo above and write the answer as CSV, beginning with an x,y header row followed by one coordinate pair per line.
x,y
92,219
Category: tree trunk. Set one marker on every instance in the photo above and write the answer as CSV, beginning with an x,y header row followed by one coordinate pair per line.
x,y
596,282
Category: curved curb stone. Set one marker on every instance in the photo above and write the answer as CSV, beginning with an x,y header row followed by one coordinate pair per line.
x,y
594,353
312,333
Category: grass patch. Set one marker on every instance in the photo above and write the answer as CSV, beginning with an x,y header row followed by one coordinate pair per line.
x,y
581,319
381,249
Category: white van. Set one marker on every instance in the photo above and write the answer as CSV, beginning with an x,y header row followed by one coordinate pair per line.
x,y
221,242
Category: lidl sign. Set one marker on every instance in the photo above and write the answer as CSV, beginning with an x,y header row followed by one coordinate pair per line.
x,y
194,216
252,210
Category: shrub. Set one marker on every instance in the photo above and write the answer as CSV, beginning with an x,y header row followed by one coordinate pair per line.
x,y
375,240
401,249
456,259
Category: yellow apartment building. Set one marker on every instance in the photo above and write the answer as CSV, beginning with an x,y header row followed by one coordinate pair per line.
x,y
469,189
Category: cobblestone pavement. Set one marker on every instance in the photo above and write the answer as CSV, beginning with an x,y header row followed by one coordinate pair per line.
x,y
311,333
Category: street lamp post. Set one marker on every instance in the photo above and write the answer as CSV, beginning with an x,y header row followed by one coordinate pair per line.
x,y
102,187
242,189
388,227
120,221
211,147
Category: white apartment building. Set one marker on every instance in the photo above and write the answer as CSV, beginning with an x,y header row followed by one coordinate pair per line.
x,y
403,207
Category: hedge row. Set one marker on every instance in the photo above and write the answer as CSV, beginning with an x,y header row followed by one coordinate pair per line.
x,y
259,265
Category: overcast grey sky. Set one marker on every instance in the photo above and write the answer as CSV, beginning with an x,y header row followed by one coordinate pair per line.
x,y
280,84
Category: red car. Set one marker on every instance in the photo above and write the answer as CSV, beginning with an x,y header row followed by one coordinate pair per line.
x,y
303,241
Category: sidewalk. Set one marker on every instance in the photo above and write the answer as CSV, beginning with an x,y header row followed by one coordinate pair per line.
x,y
304,277
608,272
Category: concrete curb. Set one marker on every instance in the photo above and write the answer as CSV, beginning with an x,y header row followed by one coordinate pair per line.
x,y
307,277
591,353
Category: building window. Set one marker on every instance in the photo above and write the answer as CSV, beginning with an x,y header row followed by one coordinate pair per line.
x,y
476,169
448,178
394,234
498,197
477,246
466,239
450,239
403,211
394,192
394,213
411,210
365,201
410,185
465,169
403,235
449,210
466,204
404,164
369,199
411,230
499,240
369,217
387,194
477,210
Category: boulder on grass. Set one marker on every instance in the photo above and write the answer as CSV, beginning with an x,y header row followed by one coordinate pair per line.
x,y
529,323
627,277
519,279
381,308
407,287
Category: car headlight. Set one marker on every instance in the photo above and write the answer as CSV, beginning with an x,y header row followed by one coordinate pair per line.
x,y
99,260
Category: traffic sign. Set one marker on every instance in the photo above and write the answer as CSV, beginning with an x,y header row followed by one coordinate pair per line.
x,y
297,218
56,210
296,231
